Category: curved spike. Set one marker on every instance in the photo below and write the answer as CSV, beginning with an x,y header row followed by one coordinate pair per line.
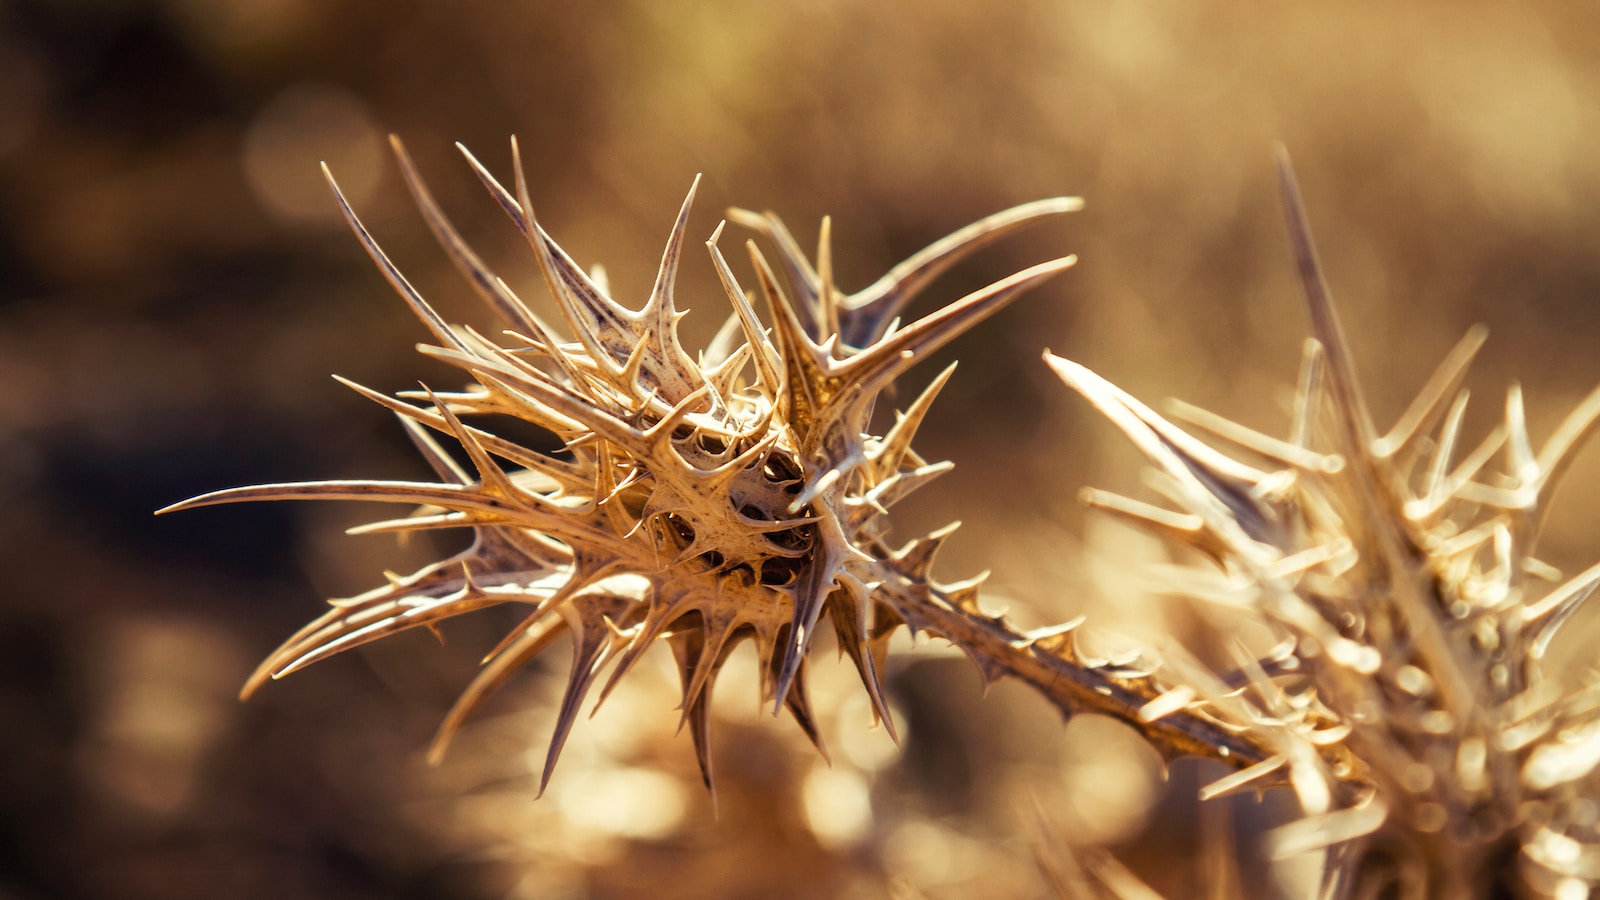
x,y
441,462
798,702
827,311
1355,421
766,356
575,295
519,647
897,443
1445,381
1214,487
802,277
689,650
660,301
816,583
1560,450
870,309
458,497
488,286
419,306
848,611
872,369
1307,395
592,645
556,469
807,384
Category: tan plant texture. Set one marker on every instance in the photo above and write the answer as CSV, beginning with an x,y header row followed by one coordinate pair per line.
x,y
737,494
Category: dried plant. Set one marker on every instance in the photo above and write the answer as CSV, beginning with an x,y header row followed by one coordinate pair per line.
x,y
737,494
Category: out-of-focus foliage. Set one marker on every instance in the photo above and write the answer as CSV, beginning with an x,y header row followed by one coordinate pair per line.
x,y
175,286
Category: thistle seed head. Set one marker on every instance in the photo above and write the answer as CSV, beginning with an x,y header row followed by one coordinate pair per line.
x,y
701,499
1409,706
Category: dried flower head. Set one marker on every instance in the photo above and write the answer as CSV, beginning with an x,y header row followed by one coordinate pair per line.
x,y
690,502
737,494
1409,707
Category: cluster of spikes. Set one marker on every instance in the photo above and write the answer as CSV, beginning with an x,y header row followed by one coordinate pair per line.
x,y
1409,706
737,494
700,499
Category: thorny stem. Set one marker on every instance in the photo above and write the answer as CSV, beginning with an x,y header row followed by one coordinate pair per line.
x,y
1045,662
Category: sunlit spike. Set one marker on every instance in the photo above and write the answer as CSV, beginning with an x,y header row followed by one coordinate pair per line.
x,y
520,646
1250,776
441,462
1446,380
266,669
766,356
824,482
1560,450
1553,610
660,316
1214,487
847,609
1265,446
491,475
592,645
688,649
1180,528
489,287
633,366
1434,485
916,558
1356,431
1307,395
807,384
871,370
660,303
900,486
354,630
827,311
555,469
574,294
1520,462
416,521
803,279
816,582
868,311
419,306
590,314
798,702
898,441
461,497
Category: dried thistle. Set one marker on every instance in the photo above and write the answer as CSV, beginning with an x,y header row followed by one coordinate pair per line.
x,y
1407,706
1409,709
691,503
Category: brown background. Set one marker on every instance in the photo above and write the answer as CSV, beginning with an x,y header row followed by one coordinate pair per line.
x,y
175,289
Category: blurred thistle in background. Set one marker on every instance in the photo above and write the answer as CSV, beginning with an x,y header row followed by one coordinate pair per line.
x,y
176,285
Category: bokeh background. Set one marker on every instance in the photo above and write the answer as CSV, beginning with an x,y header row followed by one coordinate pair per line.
x,y
175,288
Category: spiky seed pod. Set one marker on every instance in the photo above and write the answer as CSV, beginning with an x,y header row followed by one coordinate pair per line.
x,y
692,504
1431,753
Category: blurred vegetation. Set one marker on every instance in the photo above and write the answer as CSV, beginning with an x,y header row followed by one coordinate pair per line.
x,y
175,287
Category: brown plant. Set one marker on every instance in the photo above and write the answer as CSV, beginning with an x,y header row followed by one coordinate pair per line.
x,y
705,499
